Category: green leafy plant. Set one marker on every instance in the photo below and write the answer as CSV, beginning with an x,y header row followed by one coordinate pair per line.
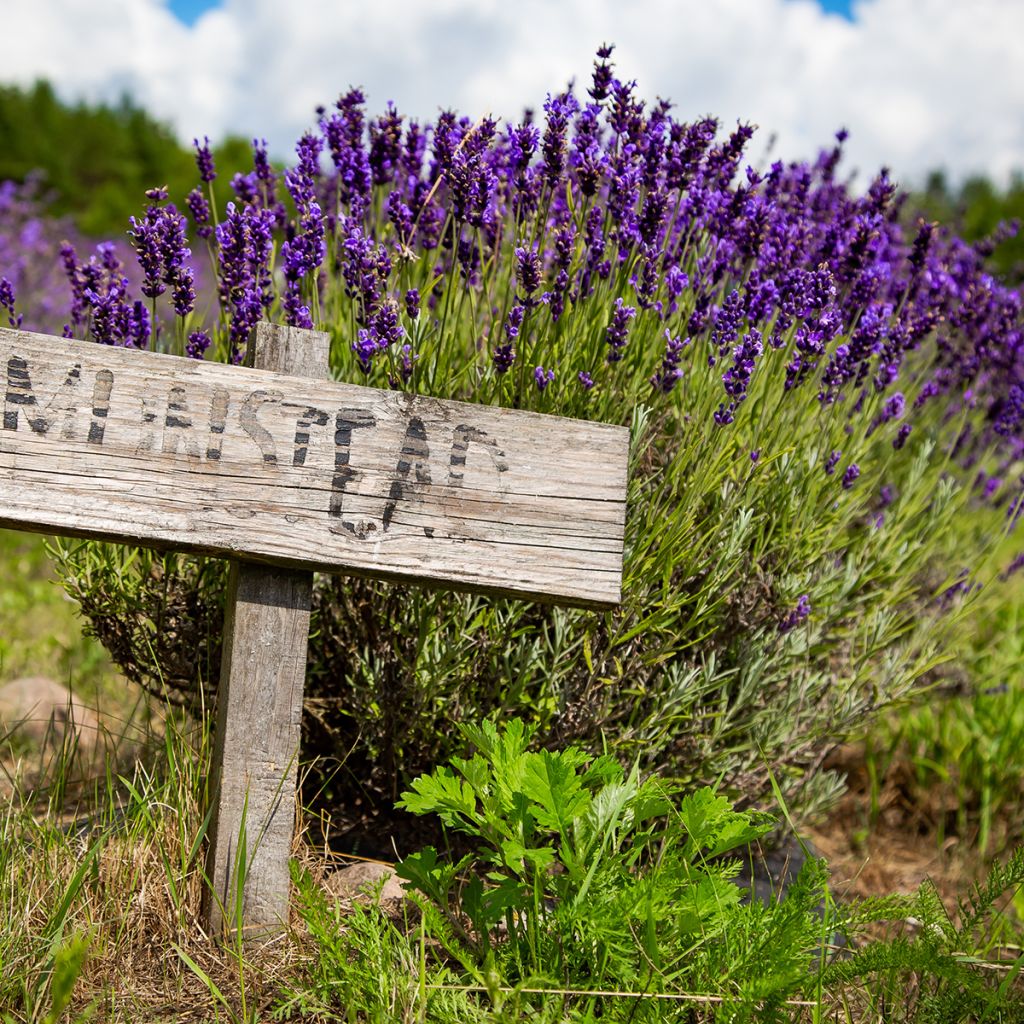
x,y
584,877
945,969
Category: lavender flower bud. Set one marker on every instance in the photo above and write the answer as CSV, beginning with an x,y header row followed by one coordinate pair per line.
x,y
586,381
850,476
542,378
798,615
832,461
198,343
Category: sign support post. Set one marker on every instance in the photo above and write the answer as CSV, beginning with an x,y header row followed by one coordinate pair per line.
x,y
259,706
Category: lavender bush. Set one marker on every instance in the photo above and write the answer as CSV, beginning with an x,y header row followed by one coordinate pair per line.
x,y
826,409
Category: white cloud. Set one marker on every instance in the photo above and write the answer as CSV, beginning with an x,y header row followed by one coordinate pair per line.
x,y
920,84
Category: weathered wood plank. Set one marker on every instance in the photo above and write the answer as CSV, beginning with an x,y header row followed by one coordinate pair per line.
x,y
255,757
170,452
259,709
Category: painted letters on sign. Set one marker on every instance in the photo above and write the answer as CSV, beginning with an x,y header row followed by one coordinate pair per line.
x,y
168,451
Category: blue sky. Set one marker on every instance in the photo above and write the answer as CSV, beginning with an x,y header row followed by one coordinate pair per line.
x,y
919,84
188,10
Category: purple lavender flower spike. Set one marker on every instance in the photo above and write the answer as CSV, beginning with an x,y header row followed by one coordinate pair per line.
x,y
723,415
616,334
200,210
586,381
7,302
901,436
407,363
560,110
850,476
670,372
401,217
412,304
183,293
832,461
365,347
527,274
204,161
385,146
505,355
602,82
146,237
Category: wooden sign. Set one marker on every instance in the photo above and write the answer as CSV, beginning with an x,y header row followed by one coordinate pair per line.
x,y
171,452
277,465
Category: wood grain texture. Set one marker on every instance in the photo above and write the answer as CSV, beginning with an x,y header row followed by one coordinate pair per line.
x,y
259,710
171,452
255,758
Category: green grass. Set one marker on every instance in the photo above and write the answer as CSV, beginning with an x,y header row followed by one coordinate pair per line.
x,y
958,750
40,627
106,924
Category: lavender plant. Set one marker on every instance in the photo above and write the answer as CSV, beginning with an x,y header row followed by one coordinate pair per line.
x,y
826,410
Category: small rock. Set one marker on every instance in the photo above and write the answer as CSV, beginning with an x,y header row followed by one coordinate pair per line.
x,y
361,880
49,716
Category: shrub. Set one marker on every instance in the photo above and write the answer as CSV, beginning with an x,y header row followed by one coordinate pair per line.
x,y
825,415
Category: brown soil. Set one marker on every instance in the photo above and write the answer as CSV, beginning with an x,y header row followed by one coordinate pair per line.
x,y
895,845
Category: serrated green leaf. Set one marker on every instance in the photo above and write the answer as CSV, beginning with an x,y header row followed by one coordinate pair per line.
x,y
551,782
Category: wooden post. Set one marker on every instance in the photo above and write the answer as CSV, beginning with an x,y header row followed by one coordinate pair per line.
x,y
259,707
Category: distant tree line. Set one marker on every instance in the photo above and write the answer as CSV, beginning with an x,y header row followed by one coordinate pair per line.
x,y
96,161
976,210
